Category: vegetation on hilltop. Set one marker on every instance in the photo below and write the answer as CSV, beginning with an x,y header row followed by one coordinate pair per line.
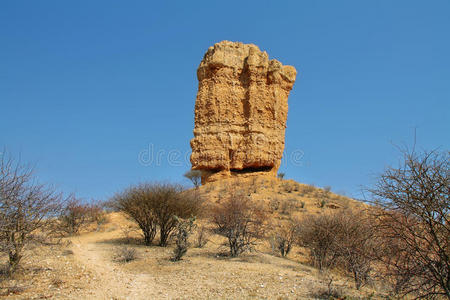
x,y
396,246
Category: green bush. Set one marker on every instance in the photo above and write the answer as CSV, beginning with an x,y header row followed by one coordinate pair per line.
x,y
183,231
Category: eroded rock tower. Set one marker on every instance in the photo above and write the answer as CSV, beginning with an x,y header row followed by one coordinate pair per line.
x,y
240,112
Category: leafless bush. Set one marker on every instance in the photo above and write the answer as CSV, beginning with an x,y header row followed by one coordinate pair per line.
x,y
202,237
318,234
137,203
26,208
97,214
172,201
340,239
183,231
285,236
355,245
413,223
308,189
76,215
240,221
327,290
125,254
155,205
287,206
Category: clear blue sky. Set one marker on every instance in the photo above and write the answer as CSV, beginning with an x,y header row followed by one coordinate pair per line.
x,y
86,86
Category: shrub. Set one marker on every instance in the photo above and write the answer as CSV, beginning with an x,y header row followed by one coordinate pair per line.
x,y
195,176
183,230
317,234
75,215
413,224
321,202
156,205
287,206
281,175
202,237
137,203
344,238
97,214
240,221
355,245
285,236
308,189
125,254
26,208
171,201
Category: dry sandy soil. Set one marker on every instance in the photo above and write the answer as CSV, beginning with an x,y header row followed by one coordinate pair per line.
x,y
84,266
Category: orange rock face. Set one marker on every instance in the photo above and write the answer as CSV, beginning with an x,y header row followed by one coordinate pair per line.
x,y
240,112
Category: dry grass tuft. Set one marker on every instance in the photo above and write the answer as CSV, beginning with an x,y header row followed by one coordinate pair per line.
x,y
125,254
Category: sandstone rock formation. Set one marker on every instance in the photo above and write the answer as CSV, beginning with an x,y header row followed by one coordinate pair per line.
x,y
240,112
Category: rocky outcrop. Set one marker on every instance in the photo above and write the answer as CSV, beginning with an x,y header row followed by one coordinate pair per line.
x,y
240,111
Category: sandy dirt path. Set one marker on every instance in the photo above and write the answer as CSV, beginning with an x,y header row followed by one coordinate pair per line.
x,y
111,282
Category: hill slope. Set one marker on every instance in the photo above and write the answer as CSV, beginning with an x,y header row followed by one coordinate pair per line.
x,y
85,266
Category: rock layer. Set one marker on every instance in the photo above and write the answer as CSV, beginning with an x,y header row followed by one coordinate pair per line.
x,y
240,112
